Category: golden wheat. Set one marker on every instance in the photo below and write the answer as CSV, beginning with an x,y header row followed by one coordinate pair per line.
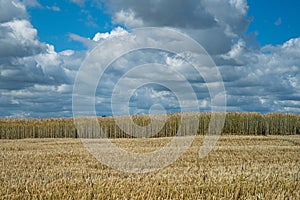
x,y
235,124
239,167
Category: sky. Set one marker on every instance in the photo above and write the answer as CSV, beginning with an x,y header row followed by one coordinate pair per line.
x,y
254,44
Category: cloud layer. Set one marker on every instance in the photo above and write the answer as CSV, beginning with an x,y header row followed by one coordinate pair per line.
x,y
37,81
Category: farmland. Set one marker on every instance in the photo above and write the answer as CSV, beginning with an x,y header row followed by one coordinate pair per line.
x,y
239,167
256,157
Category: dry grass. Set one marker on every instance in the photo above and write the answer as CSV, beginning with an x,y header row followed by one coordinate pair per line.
x,y
239,167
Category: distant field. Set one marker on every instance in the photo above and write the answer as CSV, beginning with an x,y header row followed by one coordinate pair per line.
x,y
239,167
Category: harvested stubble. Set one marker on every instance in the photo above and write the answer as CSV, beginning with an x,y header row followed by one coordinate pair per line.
x,y
235,123
239,167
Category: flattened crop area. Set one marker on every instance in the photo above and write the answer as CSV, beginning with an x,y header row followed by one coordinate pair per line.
x,y
246,167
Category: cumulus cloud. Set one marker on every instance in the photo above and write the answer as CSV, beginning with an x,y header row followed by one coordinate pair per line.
x,y
98,37
165,13
114,33
35,80
127,18
30,87
11,10
19,38
214,24
269,78
38,86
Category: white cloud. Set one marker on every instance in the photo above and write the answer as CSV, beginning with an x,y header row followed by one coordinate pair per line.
x,y
237,51
128,19
67,52
19,38
44,87
64,88
98,37
240,5
86,41
116,32
292,47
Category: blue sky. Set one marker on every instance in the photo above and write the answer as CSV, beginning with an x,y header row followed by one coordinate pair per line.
x,y
273,24
255,45
56,20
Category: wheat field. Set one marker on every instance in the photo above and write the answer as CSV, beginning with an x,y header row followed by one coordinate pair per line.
x,y
239,167
235,124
